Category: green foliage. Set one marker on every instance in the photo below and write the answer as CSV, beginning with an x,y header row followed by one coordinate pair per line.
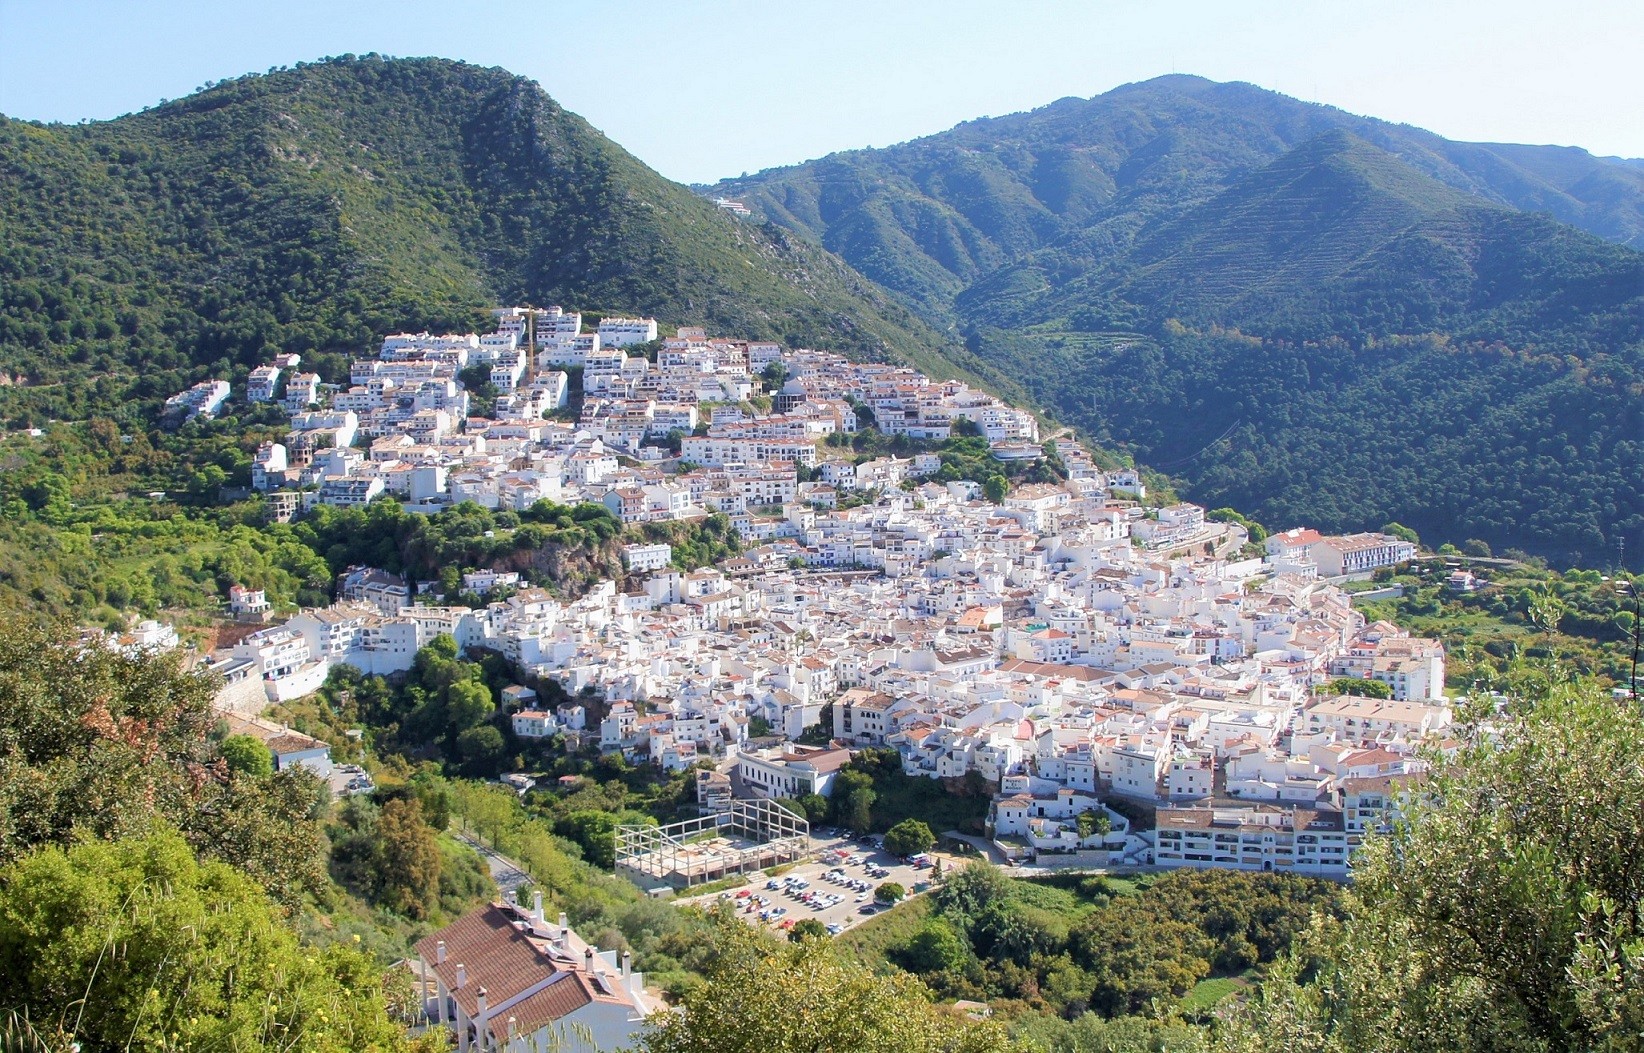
x,y
1574,619
1402,532
1504,913
1077,943
389,854
935,948
889,892
943,805
101,745
137,945
909,837
807,929
1129,1034
246,755
805,997
1353,685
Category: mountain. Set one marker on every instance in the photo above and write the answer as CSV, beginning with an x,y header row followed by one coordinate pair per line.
x,y
1308,315
314,208
926,216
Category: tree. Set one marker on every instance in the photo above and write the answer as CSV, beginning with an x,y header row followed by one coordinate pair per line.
x,y
1474,547
1402,532
857,814
766,997
408,860
807,929
909,838
468,703
1360,686
137,945
995,488
594,832
99,744
890,892
816,807
480,750
1092,823
1503,913
934,948
246,755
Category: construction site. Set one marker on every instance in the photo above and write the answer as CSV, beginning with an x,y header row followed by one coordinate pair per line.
x,y
746,837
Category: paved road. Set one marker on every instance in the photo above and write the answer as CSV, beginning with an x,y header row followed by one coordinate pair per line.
x,y
504,871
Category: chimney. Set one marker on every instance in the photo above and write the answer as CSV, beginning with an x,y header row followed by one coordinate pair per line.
x,y
627,960
513,898
564,927
536,906
480,1013
462,975
439,953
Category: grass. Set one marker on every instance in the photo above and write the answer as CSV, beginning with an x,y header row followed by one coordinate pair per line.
x,y
872,940
1079,888
1206,994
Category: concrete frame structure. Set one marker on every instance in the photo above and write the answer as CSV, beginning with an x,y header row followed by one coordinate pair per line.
x,y
749,836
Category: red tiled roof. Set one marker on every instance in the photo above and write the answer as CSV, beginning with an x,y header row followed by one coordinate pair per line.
x,y
494,952
553,1003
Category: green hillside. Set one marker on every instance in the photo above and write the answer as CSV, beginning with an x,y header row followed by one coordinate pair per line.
x,y
1307,315
312,209
989,190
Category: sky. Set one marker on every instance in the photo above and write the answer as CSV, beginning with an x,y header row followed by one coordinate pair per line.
x,y
704,90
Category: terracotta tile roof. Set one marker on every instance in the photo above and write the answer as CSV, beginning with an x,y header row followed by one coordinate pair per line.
x,y
551,1004
494,952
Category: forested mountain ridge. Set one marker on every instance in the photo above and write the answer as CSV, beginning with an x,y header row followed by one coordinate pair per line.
x,y
993,188
314,208
1304,314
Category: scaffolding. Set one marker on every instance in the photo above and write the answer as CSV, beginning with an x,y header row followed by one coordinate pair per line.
x,y
749,836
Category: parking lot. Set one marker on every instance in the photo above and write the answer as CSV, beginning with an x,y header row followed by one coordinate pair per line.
x,y
863,868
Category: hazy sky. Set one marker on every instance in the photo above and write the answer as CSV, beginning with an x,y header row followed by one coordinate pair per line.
x,y
702,90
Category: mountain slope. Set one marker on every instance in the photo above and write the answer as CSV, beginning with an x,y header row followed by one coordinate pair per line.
x,y
994,188
313,208
1304,314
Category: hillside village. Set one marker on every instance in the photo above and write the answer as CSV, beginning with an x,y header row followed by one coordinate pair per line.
x,y
1066,644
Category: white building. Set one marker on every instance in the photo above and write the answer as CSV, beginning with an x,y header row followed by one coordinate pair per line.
x,y
644,558
623,332
1295,840
261,384
791,771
